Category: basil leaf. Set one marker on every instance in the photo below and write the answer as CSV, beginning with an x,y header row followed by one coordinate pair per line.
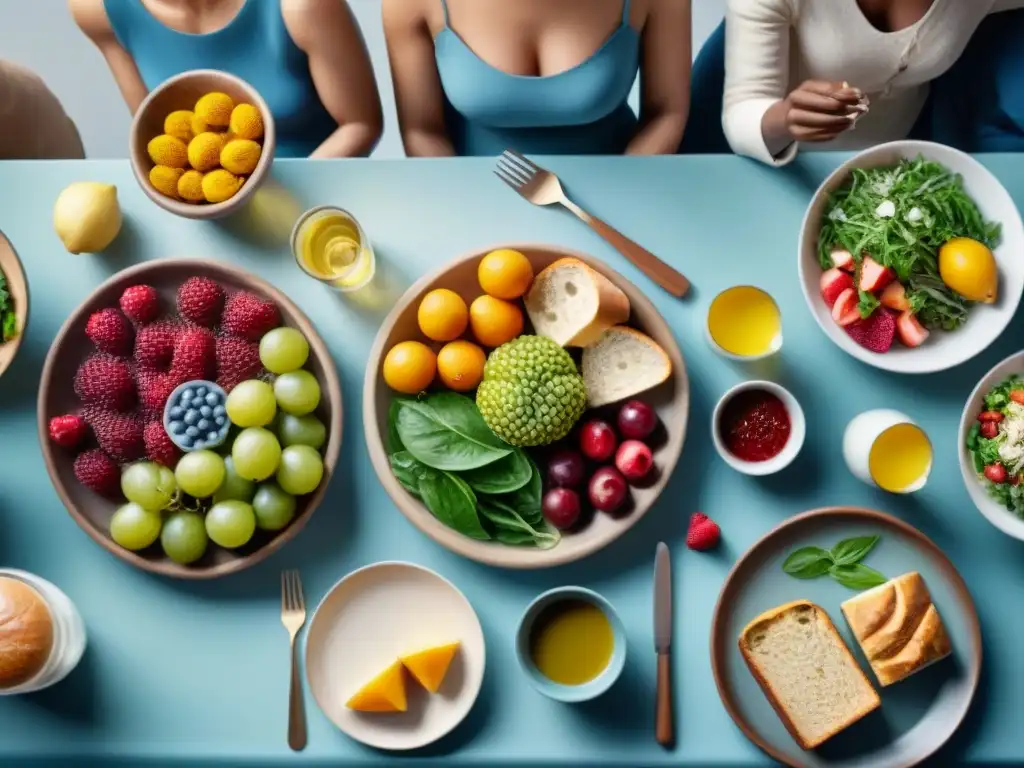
x,y
452,502
856,576
445,431
508,521
808,563
849,551
505,475
407,471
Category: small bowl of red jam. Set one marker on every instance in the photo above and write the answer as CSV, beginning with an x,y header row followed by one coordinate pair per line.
x,y
758,427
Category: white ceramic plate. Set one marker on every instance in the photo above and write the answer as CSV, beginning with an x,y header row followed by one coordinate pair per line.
x,y
942,350
363,624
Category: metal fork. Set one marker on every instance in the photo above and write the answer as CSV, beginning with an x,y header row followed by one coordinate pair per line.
x,y
293,616
541,187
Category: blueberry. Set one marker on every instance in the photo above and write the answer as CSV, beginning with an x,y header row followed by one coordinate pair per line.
x,y
185,441
212,398
185,396
219,411
205,411
191,417
204,425
200,391
213,437
191,431
219,420
176,412
176,427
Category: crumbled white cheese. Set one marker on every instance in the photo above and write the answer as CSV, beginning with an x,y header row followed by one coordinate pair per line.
x,y
884,184
1011,450
914,215
837,214
886,209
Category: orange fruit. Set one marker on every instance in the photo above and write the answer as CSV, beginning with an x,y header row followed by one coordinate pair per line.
x,y
409,367
460,364
495,321
505,274
442,315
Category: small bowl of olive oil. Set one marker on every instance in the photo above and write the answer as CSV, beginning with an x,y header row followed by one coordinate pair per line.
x,y
571,644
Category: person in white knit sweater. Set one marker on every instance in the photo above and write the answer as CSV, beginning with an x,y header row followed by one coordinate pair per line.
x,y
837,74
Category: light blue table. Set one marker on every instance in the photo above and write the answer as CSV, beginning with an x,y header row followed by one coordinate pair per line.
x,y
179,672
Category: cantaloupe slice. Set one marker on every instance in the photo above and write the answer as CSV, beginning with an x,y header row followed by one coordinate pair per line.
x,y
430,665
385,693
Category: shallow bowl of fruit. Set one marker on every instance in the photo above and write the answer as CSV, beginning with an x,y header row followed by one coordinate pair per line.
x,y
909,257
524,406
13,303
201,143
189,417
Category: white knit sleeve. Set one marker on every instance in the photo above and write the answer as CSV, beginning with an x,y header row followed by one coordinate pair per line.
x,y
756,73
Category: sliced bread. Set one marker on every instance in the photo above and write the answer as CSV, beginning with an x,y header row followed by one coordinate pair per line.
x,y
622,363
806,671
573,305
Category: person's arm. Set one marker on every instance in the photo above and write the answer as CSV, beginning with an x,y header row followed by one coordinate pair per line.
x,y
1006,5
91,18
339,64
419,97
664,79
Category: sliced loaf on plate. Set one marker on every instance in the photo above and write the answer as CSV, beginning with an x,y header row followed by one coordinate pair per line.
x,y
806,671
623,362
573,305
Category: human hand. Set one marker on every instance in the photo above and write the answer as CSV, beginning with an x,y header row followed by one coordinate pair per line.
x,y
819,110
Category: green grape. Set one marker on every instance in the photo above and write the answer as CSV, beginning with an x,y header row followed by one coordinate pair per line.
x,y
184,537
230,524
234,486
297,393
300,430
251,404
200,473
256,453
148,484
283,350
134,527
273,507
301,470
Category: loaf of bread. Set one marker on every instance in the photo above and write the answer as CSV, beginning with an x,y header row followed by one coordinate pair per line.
x,y
898,627
807,672
26,632
622,363
573,305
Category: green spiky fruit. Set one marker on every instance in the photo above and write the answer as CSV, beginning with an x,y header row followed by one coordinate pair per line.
x,y
531,393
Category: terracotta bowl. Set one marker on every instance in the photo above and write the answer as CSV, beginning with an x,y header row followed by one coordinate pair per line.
x,y
17,286
57,396
181,92
671,401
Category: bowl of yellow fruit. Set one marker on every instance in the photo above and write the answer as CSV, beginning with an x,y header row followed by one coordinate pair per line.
x,y
201,143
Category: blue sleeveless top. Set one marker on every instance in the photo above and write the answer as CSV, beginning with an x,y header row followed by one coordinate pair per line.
x,y
580,111
254,46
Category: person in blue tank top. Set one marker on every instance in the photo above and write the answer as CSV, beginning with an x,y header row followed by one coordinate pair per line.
x,y
307,59
474,77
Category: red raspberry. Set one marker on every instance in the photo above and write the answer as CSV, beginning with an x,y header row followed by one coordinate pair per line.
x,y
105,382
99,473
141,303
159,447
195,356
68,431
237,360
119,434
703,533
154,344
200,300
249,316
110,331
155,388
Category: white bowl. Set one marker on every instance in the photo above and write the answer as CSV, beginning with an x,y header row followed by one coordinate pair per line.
x,y
942,350
797,430
996,513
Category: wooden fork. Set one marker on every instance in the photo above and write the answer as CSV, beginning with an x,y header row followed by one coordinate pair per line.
x,y
541,187
293,616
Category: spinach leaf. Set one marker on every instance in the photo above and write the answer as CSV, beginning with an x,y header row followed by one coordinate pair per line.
x,y
808,563
526,500
505,475
445,431
850,551
394,442
505,518
407,471
452,502
857,576
514,538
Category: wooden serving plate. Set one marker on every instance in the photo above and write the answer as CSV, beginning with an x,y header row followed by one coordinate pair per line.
x,y
17,285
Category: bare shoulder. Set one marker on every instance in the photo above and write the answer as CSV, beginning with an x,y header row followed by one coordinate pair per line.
x,y
91,18
411,14
308,20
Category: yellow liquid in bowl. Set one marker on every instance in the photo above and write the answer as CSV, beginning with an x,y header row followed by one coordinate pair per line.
x,y
572,642
900,457
745,321
330,247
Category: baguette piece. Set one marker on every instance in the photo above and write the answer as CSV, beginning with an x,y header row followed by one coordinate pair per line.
x,y
573,305
806,671
622,363
898,627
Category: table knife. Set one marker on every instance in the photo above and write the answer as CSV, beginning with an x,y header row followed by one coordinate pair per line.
x,y
664,727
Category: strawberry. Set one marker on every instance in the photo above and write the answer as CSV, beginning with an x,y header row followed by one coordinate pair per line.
x,y
97,471
159,447
833,282
910,331
703,533
200,300
843,259
119,434
876,332
154,344
68,431
110,331
249,316
155,388
237,360
995,416
845,311
140,303
195,355
996,473
873,276
895,297
989,429
106,382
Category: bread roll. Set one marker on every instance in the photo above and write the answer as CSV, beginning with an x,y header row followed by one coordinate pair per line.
x,y
573,305
898,627
26,632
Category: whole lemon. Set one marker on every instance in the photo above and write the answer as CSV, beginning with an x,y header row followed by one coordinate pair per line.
x,y
505,274
409,367
495,321
179,124
165,179
240,156
168,150
460,364
87,216
190,187
220,185
442,315
246,122
204,151
215,109
968,267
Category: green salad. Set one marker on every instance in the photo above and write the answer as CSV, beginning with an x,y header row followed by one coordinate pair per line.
x,y
996,444
901,215
8,318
